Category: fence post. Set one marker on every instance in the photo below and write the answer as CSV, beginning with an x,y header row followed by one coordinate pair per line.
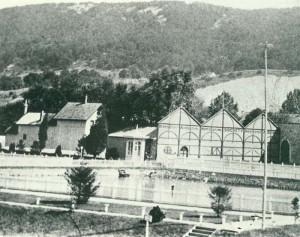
x,y
200,217
106,207
181,216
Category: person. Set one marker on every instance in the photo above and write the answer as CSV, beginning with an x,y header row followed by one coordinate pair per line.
x,y
172,189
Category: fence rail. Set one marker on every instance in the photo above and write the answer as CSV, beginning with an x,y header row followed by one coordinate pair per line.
x,y
217,166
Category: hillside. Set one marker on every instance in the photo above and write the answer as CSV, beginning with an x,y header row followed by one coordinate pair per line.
x,y
147,36
248,92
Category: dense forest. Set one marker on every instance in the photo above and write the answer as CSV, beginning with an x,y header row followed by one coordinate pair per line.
x,y
148,36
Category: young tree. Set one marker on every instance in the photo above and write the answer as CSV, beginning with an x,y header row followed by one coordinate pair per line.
x,y
35,148
21,146
220,199
292,103
96,141
43,132
296,207
217,104
252,115
58,151
81,181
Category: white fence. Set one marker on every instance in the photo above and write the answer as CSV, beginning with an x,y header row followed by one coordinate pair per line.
x,y
217,166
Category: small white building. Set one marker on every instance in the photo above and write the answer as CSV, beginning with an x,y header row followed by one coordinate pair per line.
x,y
135,144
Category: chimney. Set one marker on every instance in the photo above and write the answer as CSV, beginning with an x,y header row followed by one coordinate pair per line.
x,y
86,99
25,107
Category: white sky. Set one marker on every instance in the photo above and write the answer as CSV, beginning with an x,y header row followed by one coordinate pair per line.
x,y
244,4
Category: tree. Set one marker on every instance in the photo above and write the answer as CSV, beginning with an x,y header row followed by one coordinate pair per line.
x,y
35,148
217,104
157,214
220,199
96,141
81,181
21,146
292,103
252,115
43,132
112,153
296,207
58,151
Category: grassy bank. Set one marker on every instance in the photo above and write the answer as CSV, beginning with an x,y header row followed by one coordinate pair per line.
x,y
36,222
174,214
231,179
285,231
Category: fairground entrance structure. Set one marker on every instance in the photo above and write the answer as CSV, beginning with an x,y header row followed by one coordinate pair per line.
x,y
222,136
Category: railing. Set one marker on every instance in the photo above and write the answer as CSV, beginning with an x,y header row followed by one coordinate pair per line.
x,y
217,166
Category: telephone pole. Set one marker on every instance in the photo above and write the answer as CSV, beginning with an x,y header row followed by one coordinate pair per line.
x,y
264,201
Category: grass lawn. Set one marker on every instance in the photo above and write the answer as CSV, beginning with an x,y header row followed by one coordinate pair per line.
x,y
17,220
117,208
285,231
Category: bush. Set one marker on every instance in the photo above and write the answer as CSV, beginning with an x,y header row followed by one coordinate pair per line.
x,y
112,153
58,151
35,148
12,147
157,214
81,181
220,196
21,146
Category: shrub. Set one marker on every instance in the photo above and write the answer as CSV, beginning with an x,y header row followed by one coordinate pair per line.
x,y
35,148
12,147
295,206
21,146
112,153
81,181
157,214
259,72
220,196
58,151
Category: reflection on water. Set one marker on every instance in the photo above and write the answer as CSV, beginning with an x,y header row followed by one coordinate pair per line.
x,y
141,187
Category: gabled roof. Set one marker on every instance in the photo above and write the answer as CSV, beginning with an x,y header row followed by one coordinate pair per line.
x,y
142,133
226,112
32,118
253,123
77,111
175,112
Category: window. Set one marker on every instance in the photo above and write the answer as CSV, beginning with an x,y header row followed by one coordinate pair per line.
x,y
184,152
215,151
168,150
24,136
129,148
138,148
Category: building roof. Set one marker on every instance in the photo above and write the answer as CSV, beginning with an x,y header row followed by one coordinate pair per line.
x,y
142,133
77,111
32,118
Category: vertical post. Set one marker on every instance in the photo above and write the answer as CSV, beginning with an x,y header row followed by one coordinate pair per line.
x,y
147,228
222,138
178,148
266,142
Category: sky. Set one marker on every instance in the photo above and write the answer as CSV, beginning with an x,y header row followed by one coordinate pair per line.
x,y
243,4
